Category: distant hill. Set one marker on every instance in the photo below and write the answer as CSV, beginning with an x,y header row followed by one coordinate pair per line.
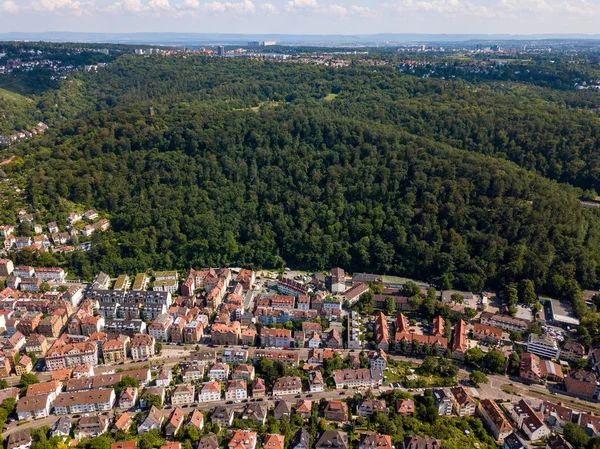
x,y
284,39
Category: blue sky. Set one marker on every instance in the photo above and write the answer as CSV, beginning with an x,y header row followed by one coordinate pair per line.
x,y
303,16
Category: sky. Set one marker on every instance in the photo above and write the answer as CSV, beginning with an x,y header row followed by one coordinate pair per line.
x,y
302,16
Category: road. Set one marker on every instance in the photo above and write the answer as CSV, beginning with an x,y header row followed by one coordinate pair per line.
x,y
498,386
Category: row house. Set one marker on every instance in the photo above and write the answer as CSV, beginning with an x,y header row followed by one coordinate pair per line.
x,y
357,378
142,346
31,285
176,330
582,383
226,334
50,274
459,340
290,357
193,331
84,402
29,323
494,420
382,332
115,351
51,326
572,351
303,302
353,294
283,302
246,279
487,334
36,344
413,343
527,420
287,286
504,322
159,328
234,356
70,355
33,407
557,415
125,327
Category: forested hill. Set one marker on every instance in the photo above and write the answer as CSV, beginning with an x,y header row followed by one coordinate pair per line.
x,y
262,163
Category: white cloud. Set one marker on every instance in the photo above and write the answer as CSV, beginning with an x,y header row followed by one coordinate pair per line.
x,y
338,10
243,7
363,11
190,4
74,7
313,6
301,4
269,8
159,5
9,7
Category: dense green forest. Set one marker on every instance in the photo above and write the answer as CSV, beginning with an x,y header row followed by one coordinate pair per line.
x,y
256,163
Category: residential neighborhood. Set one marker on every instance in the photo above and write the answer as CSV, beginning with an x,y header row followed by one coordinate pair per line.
x,y
238,351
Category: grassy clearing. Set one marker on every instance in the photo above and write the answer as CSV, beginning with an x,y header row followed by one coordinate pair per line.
x,y
330,97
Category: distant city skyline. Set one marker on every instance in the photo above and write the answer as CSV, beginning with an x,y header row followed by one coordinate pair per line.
x,y
302,16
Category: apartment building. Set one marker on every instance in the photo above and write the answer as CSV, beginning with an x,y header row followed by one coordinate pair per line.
x,y
504,322
543,346
226,334
279,338
459,340
183,394
210,392
357,378
527,420
236,390
287,385
33,407
494,420
142,346
159,328
69,355
115,351
582,383
464,404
